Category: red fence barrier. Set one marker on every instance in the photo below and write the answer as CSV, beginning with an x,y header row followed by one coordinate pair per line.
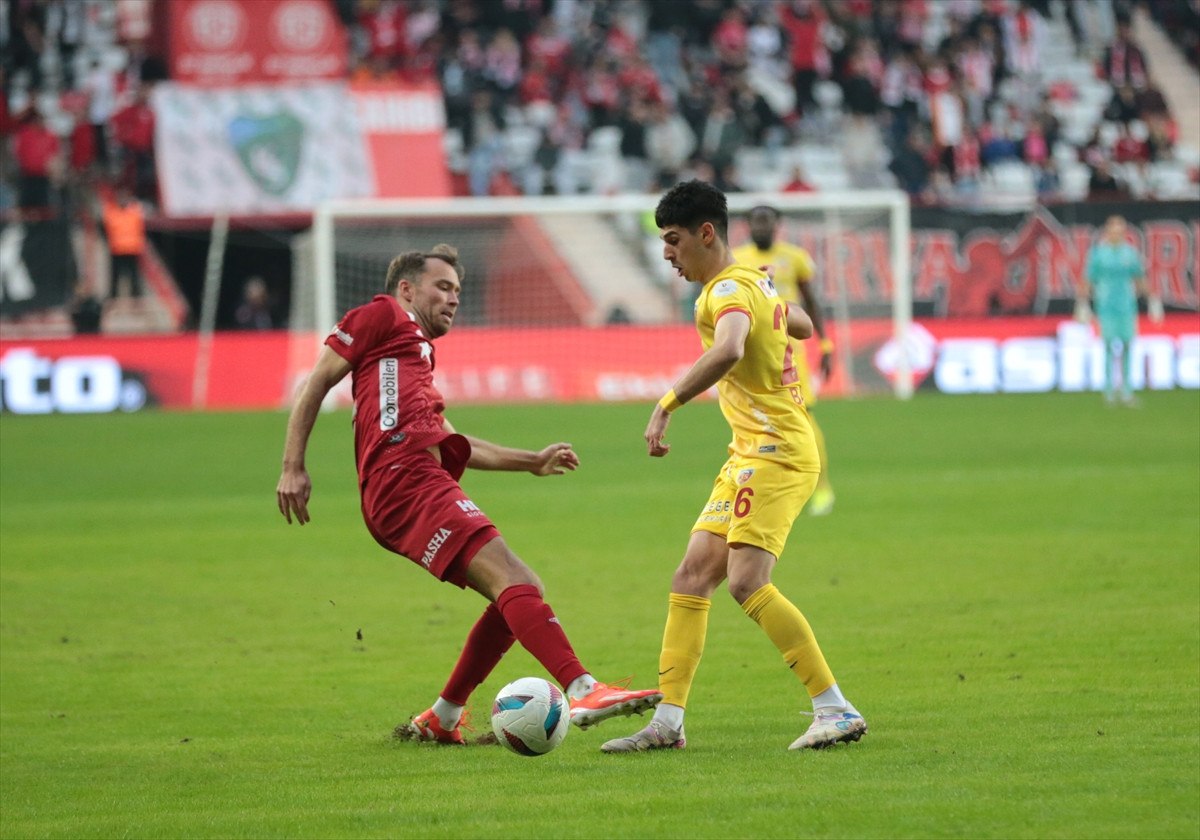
x,y
261,370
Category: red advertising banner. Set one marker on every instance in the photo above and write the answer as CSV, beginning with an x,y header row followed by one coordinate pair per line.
x,y
253,41
576,364
403,125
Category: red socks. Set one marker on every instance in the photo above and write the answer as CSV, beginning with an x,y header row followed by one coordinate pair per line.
x,y
487,642
531,620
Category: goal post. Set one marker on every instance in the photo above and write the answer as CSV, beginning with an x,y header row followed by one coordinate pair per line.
x,y
592,261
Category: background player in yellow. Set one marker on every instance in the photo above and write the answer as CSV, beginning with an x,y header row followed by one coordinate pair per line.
x,y
771,471
793,274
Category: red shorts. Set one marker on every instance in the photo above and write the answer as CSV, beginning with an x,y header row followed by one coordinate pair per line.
x,y
414,507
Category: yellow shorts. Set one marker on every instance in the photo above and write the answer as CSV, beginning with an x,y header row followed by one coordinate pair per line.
x,y
755,502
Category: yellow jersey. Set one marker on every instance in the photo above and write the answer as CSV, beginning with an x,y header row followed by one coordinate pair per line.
x,y
760,397
792,265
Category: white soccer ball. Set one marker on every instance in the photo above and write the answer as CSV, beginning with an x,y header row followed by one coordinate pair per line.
x,y
531,716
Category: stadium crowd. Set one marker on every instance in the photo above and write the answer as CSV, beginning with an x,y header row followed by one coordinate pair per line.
x,y
945,98
932,95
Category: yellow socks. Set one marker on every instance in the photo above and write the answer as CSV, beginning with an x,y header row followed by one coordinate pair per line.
x,y
789,631
683,643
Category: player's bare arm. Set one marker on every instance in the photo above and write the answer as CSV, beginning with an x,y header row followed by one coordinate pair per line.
x,y
799,324
552,460
728,347
294,486
812,305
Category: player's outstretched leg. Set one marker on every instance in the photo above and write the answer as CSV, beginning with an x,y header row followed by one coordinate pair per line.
x,y
498,573
606,701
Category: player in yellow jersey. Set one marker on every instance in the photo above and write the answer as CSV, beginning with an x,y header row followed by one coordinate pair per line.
x,y
772,468
793,274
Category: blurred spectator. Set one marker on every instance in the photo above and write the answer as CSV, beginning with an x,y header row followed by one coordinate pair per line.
x,y
901,92
997,146
669,143
722,134
1104,186
1024,35
502,65
254,312
860,90
801,22
133,133
100,85
82,140
125,228
910,164
633,146
26,39
1035,151
1124,63
797,183
1160,140
38,156
1047,181
1150,101
694,103
1128,149
863,152
484,140
966,161
383,24
1123,106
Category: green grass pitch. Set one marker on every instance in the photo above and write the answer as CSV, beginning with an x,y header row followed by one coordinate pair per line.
x,y
1009,589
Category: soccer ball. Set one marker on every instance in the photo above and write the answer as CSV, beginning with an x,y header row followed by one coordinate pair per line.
x,y
530,716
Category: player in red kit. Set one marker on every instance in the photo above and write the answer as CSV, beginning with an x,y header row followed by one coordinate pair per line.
x,y
409,461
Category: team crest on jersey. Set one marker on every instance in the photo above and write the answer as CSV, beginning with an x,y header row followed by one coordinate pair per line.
x,y
745,475
724,289
768,287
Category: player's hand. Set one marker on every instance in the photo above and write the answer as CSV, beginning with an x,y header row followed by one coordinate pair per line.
x,y
554,459
292,493
826,364
655,430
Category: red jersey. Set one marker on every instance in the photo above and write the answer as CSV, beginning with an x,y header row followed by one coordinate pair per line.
x,y
397,409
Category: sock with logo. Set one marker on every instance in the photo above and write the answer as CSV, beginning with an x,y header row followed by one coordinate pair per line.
x,y
788,629
533,623
683,644
487,642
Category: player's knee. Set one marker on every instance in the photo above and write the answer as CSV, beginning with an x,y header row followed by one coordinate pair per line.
x,y
741,590
742,586
694,579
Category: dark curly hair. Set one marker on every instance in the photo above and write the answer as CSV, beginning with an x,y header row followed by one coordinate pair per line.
x,y
692,203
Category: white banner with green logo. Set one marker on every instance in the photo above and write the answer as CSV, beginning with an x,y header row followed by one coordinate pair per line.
x,y
258,149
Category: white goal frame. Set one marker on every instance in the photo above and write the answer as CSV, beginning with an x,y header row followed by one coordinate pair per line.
x,y
894,202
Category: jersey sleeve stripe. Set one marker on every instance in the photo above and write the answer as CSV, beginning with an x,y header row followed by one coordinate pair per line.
x,y
725,312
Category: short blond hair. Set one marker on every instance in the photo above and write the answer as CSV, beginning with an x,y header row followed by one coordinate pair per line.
x,y
410,265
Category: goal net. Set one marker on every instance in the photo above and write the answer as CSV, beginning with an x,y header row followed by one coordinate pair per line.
x,y
572,287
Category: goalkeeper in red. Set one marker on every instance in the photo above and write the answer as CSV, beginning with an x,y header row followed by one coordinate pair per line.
x,y
409,461
771,471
